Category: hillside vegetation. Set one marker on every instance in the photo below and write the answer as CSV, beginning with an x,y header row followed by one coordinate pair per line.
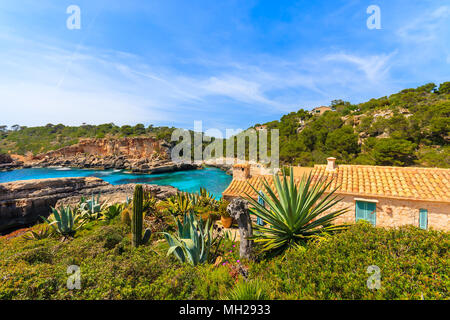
x,y
408,128
413,264
22,140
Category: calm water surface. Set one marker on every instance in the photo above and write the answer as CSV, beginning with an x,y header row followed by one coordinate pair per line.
x,y
213,179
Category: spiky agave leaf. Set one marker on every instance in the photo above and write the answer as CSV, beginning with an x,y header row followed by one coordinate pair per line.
x,y
192,241
64,221
291,216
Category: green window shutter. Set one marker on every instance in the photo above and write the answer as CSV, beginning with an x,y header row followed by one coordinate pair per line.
x,y
360,211
366,211
423,219
260,221
371,212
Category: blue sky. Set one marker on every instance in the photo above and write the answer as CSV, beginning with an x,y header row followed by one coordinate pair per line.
x,y
230,64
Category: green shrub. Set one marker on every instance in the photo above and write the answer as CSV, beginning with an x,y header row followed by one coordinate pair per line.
x,y
248,290
414,264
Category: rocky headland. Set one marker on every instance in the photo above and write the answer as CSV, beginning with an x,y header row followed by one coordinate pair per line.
x,y
22,202
137,154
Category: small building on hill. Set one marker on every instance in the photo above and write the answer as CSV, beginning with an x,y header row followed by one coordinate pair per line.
x,y
320,110
384,196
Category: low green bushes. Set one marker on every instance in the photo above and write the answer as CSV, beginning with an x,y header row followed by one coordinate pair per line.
x,y
413,264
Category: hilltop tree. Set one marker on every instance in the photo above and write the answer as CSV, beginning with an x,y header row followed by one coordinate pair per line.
x,y
393,152
139,129
444,88
342,143
429,87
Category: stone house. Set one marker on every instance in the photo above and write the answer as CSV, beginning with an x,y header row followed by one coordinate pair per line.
x,y
261,127
384,196
320,110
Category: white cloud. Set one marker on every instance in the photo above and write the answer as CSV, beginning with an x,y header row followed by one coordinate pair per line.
x,y
426,28
42,83
374,67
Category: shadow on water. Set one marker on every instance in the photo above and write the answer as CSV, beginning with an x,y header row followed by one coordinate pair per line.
x,y
147,180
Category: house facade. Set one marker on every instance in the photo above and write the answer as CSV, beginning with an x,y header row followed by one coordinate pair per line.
x,y
384,196
320,110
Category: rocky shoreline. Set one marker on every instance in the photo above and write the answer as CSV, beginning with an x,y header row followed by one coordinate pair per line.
x,y
120,162
137,154
22,202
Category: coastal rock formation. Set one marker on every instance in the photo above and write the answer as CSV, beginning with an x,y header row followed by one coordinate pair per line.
x,y
132,148
5,158
140,154
22,202
222,164
7,162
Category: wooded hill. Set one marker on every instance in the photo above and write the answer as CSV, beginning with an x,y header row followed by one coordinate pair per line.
x,y
408,128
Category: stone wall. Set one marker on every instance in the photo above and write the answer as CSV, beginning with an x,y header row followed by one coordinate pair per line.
x,y
395,213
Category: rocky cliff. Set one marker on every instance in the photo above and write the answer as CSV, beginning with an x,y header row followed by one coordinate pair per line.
x,y
5,158
7,162
22,202
139,154
131,148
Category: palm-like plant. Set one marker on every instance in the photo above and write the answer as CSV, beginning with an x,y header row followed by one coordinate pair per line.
x,y
179,204
42,232
192,242
202,198
248,290
65,221
293,216
149,205
112,211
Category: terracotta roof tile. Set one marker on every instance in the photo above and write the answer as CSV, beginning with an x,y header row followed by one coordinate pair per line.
x,y
427,184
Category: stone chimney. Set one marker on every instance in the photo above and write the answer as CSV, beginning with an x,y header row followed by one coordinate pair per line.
x,y
241,171
331,164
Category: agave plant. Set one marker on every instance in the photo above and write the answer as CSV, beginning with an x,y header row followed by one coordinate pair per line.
x,y
192,242
248,290
91,209
294,216
40,233
65,221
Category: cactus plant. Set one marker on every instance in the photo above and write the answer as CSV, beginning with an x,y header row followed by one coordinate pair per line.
x,y
137,218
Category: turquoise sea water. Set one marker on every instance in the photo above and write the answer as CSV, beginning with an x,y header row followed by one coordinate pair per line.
x,y
213,179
